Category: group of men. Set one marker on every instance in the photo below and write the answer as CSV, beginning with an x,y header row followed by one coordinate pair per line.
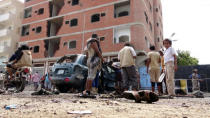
x,y
127,56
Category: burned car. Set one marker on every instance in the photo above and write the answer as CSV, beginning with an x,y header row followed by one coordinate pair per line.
x,y
70,72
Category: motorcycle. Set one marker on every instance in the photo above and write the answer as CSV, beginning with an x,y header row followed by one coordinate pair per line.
x,y
18,79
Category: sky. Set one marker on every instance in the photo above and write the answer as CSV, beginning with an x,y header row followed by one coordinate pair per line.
x,y
190,21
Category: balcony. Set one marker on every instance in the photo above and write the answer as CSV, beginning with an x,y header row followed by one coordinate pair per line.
x,y
4,33
5,5
5,18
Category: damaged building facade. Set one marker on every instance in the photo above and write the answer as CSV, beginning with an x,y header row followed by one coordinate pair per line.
x,y
54,28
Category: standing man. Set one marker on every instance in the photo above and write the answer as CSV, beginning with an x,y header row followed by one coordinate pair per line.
x,y
195,80
170,61
153,68
35,78
94,61
127,57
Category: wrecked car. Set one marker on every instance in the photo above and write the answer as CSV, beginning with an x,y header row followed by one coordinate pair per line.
x,y
70,72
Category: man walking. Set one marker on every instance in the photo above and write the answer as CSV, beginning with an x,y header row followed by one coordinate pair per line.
x,y
153,68
127,57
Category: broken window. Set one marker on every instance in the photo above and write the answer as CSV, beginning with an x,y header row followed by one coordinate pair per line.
x,y
40,11
25,30
27,12
72,44
74,22
121,34
36,49
38,29
122,9
157,24
51,46
95,18
75,2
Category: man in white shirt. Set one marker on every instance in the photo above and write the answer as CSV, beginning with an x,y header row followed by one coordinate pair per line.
x,y
127,57
170,61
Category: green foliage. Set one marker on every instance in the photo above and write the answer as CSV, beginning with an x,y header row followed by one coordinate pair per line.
x,y
184,59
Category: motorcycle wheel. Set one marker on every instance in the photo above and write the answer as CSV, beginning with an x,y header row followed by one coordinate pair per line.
x,y
20,86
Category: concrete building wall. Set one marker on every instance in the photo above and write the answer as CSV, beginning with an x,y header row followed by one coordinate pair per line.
x,y
138,26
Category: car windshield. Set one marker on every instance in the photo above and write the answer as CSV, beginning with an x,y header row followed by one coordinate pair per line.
x,y
61,71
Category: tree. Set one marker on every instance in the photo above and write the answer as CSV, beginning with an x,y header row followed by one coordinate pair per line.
x,y
184,59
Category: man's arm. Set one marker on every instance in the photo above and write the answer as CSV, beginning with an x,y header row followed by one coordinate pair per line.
x,y
175,62
148,63
133,52
95,47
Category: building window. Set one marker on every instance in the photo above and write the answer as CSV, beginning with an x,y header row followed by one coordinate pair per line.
x,y
103,14
40,11
150,6
64,44
157,24
72,44
147,42
27,0
38,29
67,22
95,18
121,34
146,17
74,22
25,30
27,13
102,38
150,25
158,39
122,9
123,38
75,2
36,49
156,9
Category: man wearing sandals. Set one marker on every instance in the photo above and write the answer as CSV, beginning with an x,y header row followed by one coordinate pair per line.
x,y
94,60
127,57
170,62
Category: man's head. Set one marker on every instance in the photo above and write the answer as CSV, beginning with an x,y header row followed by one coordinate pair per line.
x,y
195,70
152,48
161,53
24,47
167,43
128,44
94,36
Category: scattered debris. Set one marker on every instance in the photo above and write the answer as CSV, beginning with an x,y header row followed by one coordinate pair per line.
x,y
184,105
55,101
80,112
13,106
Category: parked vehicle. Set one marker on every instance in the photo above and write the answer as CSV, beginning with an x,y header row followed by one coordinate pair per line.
x,y
70,72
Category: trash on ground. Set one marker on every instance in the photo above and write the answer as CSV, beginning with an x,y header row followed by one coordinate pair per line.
x,y
13,106
80,112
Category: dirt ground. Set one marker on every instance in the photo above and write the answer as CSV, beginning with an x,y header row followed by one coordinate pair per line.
x,y
59,106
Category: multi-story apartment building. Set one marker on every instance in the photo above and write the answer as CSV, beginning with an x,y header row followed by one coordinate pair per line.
x,y
59,27
10,26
